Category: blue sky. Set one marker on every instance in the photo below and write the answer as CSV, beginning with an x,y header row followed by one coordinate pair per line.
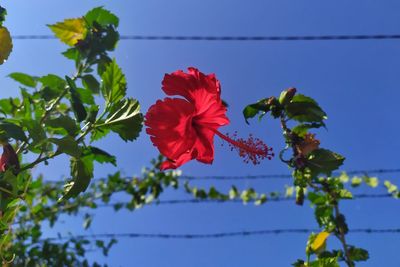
x,y
356,82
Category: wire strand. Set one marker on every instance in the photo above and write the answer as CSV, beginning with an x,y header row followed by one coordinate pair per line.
x,y
220,234
280,176
235,38
216,201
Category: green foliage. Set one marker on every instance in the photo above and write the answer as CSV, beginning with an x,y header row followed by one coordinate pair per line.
x,y
304,109
82,173
124,119
114,83
102,17
3,13
70,31
76,101
323,161
24,79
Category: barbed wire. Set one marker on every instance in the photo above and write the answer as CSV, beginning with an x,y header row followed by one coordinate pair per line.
x,y
220,234
281,176
211,201
235,38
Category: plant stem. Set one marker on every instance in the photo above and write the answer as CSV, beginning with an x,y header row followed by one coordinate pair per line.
x,y
342,238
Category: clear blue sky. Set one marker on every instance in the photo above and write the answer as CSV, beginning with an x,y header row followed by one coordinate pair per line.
x,y
356,82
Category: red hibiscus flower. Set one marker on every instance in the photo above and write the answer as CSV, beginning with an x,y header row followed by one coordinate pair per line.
x,y
183,129
9,158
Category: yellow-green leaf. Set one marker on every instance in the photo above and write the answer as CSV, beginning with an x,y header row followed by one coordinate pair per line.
x,y
5,44
319,242
70,30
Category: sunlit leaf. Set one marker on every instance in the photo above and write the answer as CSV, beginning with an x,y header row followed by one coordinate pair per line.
x,y
319,242
70,31
125,119
5,44
113,85
82,173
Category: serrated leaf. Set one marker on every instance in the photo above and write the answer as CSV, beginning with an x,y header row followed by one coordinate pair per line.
x,y
102,16
5,44
324,161
67,145
76,102
304,109
113,85
82,173
125,119
70,31
99,133
24,79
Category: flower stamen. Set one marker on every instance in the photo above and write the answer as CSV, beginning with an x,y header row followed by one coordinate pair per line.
x,y
251,150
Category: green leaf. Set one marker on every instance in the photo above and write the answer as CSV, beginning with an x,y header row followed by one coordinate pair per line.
x,y
3,13
63,122
24,79
86,96
67,145
252,110
90,83
5,44
324,161
72,53
125,119
100,155
371,181
304,109
82,173
356,181
102,17
76,103
11,130
358,254
114,83
317,198
36,131
99,133
345,194
70,31
6,106
303,128
53,81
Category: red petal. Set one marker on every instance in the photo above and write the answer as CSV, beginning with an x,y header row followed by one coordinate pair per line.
x,y
170,128
186,84
182,159
205,145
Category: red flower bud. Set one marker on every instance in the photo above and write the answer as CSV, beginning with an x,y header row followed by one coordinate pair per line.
x,y
9,158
